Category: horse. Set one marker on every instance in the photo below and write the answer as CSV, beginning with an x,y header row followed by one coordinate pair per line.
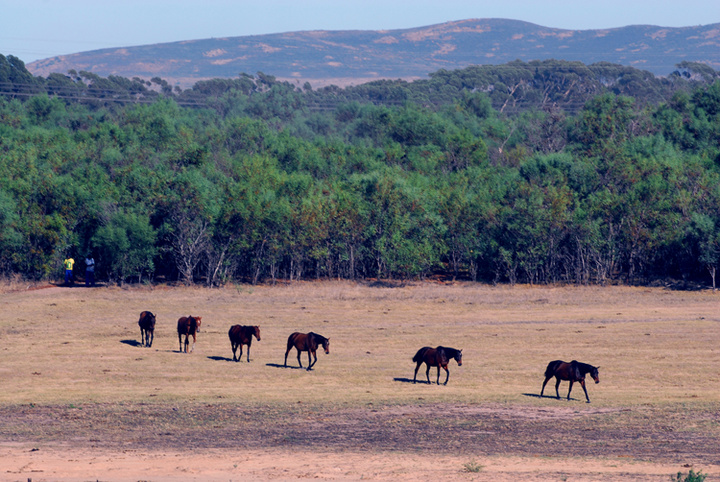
x,y
573,372
436,357
188,326
308,342
147,328
242,335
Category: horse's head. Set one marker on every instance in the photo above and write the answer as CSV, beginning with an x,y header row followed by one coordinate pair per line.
x,y
256,332
594,374
326,345
198,320
458,357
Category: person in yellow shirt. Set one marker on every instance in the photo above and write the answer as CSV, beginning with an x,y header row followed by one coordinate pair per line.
x,y
68,263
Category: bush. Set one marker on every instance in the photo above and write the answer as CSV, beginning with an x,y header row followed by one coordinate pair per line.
x,y
472,467
690,477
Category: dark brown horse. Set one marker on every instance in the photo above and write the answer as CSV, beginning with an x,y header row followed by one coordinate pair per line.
x,y
242,335
188,326
147,328
436,357
308,342
573,372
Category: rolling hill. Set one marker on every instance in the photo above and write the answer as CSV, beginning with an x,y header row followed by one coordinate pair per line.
x,y
352,57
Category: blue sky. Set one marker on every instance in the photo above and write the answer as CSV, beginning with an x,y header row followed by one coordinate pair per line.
x,y
38,29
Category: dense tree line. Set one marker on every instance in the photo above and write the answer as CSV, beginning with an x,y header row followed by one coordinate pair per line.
x,y
560,177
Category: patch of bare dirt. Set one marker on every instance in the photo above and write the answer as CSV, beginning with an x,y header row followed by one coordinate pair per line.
x,y
435,428
214,442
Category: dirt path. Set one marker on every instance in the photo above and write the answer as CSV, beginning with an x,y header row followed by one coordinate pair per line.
x,y
58,464
229,442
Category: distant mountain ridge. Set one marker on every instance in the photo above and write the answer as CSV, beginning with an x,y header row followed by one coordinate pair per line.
x,y
358,56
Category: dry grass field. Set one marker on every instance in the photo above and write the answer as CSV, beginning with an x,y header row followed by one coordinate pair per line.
x,y
81,400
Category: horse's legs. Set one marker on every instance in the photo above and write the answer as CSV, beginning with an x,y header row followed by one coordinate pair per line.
x,y
311,353
570,389
416,370
240,354
152,337
234,347
248,352
582,384
447,374
286,353
299,362
547,379
180,342
193,345
427,373
557,384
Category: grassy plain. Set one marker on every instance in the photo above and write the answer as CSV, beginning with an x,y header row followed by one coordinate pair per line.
x,y
72,374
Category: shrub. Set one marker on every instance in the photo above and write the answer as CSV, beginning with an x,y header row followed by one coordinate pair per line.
x,y
690,477
472,467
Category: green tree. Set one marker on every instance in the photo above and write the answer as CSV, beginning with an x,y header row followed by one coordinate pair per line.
x,y
125,247
706,234
10,238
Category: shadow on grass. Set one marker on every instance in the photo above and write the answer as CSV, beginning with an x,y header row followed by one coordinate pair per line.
x,y
220,358
536,395
553,397
131,342
409,380
291,367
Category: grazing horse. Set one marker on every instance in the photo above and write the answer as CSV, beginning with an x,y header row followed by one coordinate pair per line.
x,y
308,342
436,357
573,371
188,326
242,335
147,328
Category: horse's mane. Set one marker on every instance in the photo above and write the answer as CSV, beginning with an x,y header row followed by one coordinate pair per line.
x,y
581,368
450,352
321,339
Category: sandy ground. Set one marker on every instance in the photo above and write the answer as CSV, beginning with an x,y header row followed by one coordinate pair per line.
x,y
59,464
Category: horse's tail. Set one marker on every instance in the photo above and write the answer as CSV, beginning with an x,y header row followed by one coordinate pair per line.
x,y
182,325
419,355
552,366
